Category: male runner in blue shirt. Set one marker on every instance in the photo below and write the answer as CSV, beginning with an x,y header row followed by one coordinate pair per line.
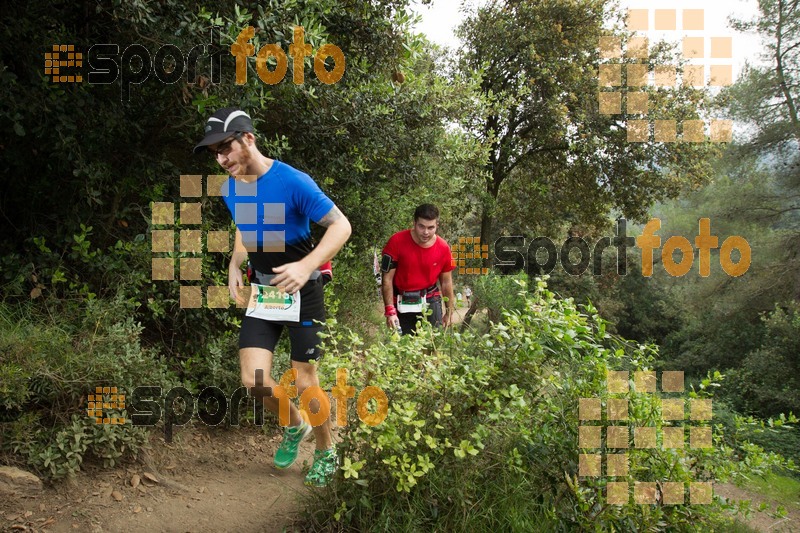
x,y
271,204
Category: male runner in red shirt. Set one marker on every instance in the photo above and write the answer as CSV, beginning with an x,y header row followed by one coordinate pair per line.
x,y
413,262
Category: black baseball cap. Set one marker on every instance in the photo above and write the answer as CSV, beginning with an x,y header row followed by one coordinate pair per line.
x,y
223,124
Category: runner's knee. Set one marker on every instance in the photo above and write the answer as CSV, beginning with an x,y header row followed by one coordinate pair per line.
x,y
249,379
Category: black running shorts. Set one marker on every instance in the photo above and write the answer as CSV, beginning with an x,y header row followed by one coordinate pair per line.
x,y
257,333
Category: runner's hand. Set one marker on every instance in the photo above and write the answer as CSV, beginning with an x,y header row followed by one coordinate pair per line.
x,y
392,322
291,277
447,319
236,285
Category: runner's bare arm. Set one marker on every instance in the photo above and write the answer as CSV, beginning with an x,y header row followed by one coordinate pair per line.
x,y
337,232
235,278
332,216
387,291
239,251
446,283
292,276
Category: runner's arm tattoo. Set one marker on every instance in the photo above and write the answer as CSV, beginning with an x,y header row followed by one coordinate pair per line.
x,y
333,215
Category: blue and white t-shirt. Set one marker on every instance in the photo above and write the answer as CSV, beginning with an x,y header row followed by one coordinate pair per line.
x,y
273,213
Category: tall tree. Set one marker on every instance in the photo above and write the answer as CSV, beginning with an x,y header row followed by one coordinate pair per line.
x,y
756,194
766,98
767,94
83,156
553,155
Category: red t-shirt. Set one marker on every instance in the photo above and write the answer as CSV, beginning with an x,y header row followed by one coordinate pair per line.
x,y
417,267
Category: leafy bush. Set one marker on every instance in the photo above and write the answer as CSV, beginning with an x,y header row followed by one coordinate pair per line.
x,y
64,454
779,434
217,365
768,381
481,431
496,292
52,360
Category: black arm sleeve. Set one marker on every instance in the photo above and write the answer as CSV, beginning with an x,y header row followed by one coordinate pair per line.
x,y
387,263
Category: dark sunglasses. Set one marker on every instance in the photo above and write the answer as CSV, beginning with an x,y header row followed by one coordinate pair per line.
x,y
225,148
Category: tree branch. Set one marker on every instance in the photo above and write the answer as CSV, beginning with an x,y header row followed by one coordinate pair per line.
x,y
780,71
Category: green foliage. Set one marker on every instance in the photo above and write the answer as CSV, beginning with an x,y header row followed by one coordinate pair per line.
x,y
635,307
353,294
497,292
768,380
65,453
746,325
720,324
779,434
551,154
53,361
471,415
216,366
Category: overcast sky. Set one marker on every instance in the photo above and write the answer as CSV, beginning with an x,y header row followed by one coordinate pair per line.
x,y
440,19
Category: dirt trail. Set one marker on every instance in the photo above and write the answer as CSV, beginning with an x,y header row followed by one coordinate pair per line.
x,y
207,480
212,480
762,521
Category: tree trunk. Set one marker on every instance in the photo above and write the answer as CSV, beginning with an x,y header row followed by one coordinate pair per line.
x,y
780,68
473,308
487,218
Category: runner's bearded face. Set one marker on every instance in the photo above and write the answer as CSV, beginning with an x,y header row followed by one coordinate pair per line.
x,y
425,229
232,155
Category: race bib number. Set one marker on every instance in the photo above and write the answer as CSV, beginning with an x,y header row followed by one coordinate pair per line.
x,y
267,302
415,306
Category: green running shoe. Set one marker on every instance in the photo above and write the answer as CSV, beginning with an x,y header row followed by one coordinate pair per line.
x,y
287,451
326,463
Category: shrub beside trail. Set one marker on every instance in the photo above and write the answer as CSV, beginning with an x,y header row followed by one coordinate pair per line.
x,y
482,431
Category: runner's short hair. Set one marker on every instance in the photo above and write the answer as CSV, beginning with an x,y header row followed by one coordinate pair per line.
x,y
426,211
